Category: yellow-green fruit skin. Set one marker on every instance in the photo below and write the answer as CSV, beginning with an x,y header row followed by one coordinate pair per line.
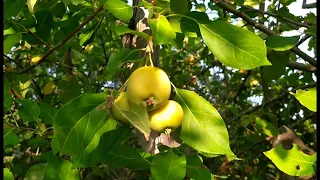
x,y
122,103
149,82
170,116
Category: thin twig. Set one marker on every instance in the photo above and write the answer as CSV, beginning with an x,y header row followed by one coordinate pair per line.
x,y
63,41
241,87
42,41
262,28
272,100
33,81
278,16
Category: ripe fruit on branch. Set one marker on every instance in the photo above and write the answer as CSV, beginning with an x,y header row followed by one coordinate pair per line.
x,y
149,86
120,104
167,117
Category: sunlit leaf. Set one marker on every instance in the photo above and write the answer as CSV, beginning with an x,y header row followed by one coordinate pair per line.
x,y
307,98
161,30
120,30
292,162
202,126
233,46
267,128
7,174
10,40
31,4
119,9
85,158
168,166
78,121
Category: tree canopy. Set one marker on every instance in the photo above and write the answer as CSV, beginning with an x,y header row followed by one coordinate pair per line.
x,y
247,89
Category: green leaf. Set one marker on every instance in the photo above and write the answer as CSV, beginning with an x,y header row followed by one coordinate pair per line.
x,y
36,172
121,156
12,8
202,126
307,98
31,4
179,6
278,67
78,121
168,166
68,90
187,26
138,117
54,144
7,174
280,43
162,30
29,110
9,138
55,169
85,37
118,58
59,10
120,30
267,128
47,113
119,9
234,46
7,97
292,162
199,173
10,41
84,159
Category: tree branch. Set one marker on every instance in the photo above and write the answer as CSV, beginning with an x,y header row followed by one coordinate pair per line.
x,y
307,36
308,6
270,101
278,16
301,66
63,41
262,28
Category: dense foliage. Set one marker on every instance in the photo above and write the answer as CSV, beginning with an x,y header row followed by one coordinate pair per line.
x,y
247,91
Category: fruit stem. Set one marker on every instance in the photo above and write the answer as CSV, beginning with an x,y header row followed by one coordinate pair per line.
x,y
167,131
150,59
124,85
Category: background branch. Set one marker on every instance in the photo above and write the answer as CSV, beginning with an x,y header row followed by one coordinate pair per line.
x,y
262,28
300,24
301,66
272,100
63,41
